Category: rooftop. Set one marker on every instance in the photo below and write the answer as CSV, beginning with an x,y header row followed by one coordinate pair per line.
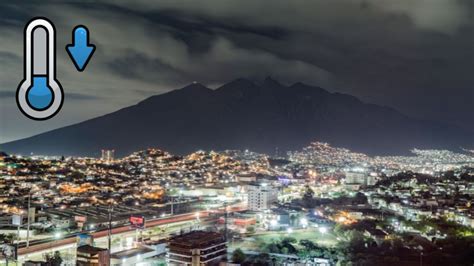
x,y
196,239
90,249
131,252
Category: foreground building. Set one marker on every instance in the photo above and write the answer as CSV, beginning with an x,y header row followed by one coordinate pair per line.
x,y
92,256
197,248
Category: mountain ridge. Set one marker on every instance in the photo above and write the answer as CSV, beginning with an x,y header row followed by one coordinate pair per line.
x,y
243,114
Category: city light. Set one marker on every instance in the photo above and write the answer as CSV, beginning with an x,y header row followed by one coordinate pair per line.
x,y
183,153
323,230
304,222
255,208
273,223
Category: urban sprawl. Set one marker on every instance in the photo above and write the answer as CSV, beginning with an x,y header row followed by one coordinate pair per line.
x,y
320,205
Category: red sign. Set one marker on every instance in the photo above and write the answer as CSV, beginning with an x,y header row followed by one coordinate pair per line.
x,y
80,219
137,221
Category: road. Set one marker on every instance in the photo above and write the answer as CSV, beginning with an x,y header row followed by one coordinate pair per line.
x,y
71,240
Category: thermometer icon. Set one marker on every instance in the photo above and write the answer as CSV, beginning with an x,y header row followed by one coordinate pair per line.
x,y
39,95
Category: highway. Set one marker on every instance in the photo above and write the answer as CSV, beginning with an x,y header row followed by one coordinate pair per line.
x,y
69,241
47,244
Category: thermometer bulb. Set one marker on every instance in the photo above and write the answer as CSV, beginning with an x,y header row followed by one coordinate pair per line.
x,y
40,95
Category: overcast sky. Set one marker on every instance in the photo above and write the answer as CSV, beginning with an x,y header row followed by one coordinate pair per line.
x,y
414,55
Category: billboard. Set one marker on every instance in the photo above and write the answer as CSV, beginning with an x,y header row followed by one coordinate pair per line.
x,y
84,239
137,221
80,219
17,219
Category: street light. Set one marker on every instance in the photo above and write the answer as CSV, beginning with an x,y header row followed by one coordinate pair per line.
x,y
304,222
273,223
323,230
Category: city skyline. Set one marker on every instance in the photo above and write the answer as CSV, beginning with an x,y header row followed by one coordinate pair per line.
x,y
319,198
269,133
413,56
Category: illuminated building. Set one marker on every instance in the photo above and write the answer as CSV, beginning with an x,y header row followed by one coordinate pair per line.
x,y
359,178
92,256
197,248
261,196
108,155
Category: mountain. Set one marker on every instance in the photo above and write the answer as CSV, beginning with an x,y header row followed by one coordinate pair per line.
x,y
242,114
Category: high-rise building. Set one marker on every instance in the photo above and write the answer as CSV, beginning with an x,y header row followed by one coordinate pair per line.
x,y
359,178
197,248
261,196
108,155
87,255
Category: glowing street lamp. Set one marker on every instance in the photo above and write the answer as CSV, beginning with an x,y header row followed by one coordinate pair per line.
x,y
304,222
323,230
342,219
273,223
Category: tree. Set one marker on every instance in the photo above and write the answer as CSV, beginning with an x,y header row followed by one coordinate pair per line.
x,y
238,256
308,197
291,240
7,238
309,245
273,248
251,230
308,193
360,198
53,260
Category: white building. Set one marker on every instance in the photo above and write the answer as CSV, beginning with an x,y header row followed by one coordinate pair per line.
x,y
261,196
360,178
108,155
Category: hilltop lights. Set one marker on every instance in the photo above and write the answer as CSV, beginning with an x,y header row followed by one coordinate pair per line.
x,y
164,187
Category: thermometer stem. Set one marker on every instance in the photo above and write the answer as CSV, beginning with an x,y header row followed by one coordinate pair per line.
x,y
40,51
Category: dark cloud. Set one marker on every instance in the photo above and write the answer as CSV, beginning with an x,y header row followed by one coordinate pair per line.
x,y
81,97
7,95
7,57
138,66
14,15
416,56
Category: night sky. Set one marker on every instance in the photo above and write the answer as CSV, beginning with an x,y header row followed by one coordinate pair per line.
x,y
416,56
